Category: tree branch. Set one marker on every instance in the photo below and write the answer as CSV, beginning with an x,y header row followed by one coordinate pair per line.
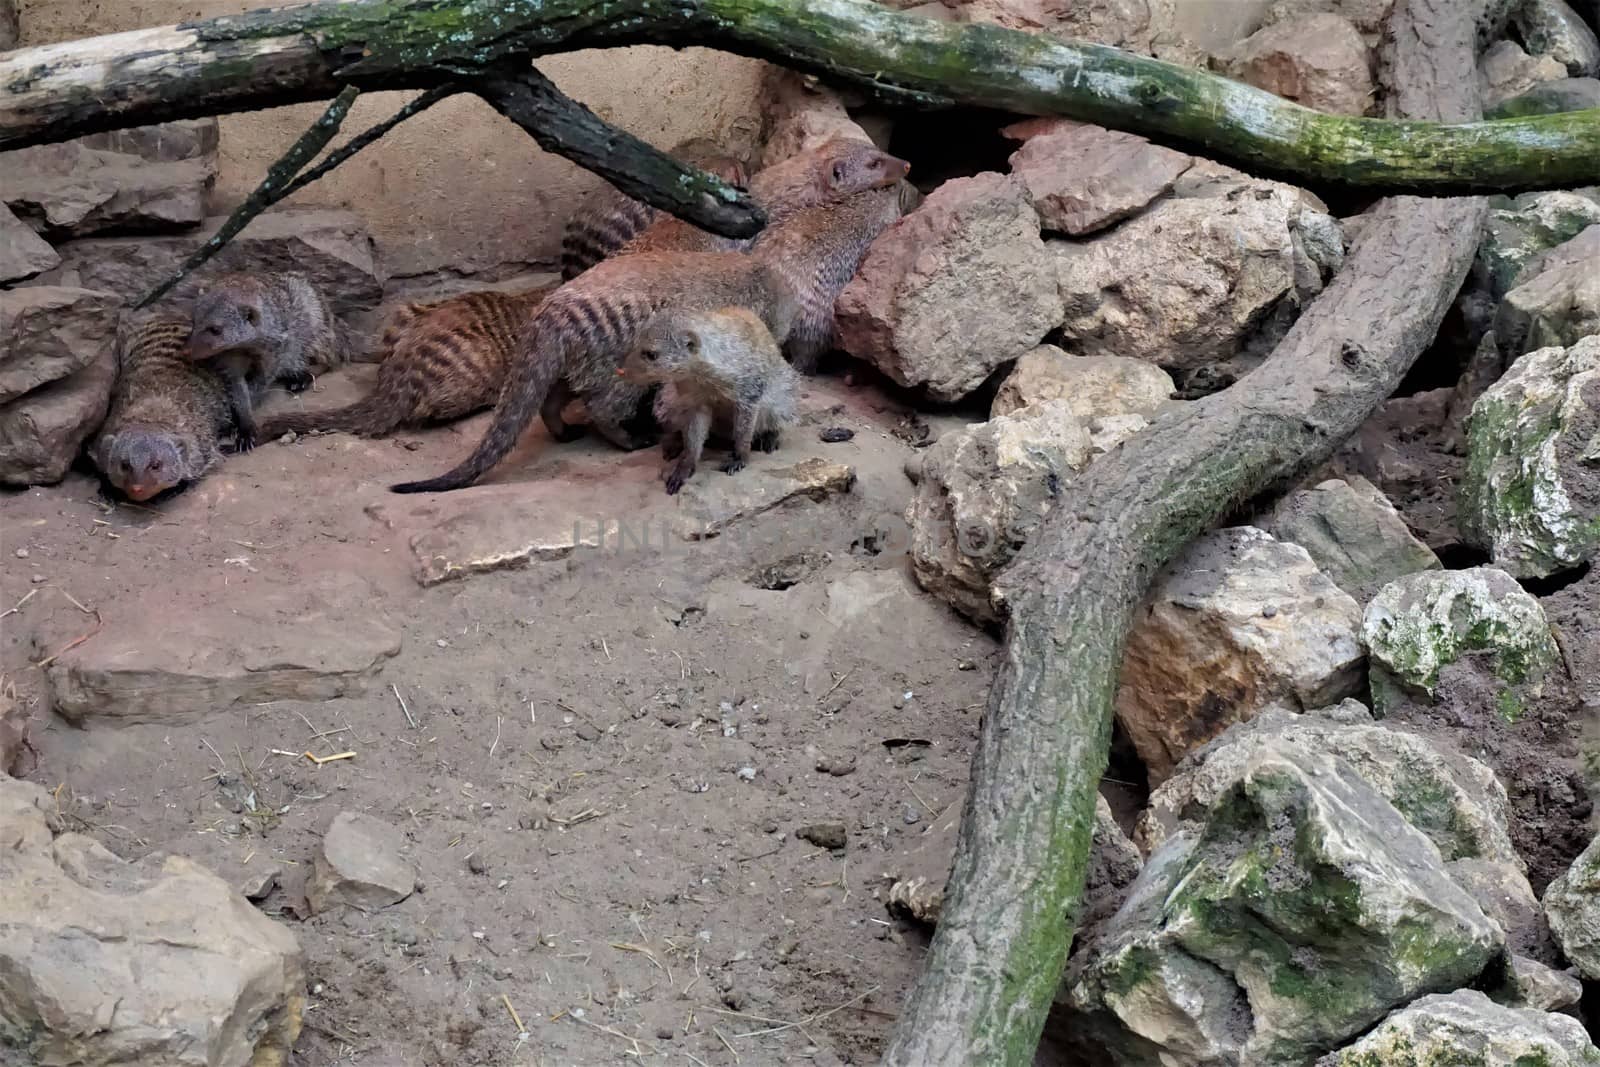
x,y
273,57
1012,899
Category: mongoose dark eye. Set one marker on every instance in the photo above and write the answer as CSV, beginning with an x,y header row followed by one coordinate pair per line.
x,y
155,464
838,172
250,316
213,330
650,355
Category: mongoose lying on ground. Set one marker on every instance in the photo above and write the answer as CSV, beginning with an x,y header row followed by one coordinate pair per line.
x,y
718,370
258,329
166,413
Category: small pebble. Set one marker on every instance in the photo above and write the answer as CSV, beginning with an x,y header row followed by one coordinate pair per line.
x,y
966,665
748,774
665,1033
1269,612
477,864
477,935
912,816
898,702
442,643
835,434
38,578
587,731
22,553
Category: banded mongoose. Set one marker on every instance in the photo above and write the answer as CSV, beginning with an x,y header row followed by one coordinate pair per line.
x,y
166,413
444,360
583,330
260,329
611,218
719,370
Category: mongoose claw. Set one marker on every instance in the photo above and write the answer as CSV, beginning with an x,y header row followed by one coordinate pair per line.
x,y
766,442
298,382
675,480
244,442
734,465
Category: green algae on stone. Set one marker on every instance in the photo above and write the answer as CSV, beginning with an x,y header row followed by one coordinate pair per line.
x,y
1519,229
1467,1029
1572,908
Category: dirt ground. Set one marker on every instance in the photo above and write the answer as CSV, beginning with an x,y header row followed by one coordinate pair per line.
x,y
612,754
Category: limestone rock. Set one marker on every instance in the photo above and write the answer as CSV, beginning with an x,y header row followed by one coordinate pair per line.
x,y
1318,60
41,432
157,963
1530,984
800,113
1304,911
23,253
1500,884
1187,283
1556,301
332,248
1551,28
1531,491
1239,621
361,863
47,333
1506,72
1572,908
1420,624
1469,1029
983,492
1084,178
1119,23
953,290
1522,228
1355,536
1092,386
316,641
1564,94
14,722
144,180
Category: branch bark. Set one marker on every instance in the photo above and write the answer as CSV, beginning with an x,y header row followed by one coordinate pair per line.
x,y
1011,904
309,52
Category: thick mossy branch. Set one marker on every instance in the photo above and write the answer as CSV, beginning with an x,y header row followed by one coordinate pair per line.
x,y
272,57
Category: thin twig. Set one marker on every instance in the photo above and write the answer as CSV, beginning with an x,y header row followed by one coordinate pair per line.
x,y
499,720
836,685
403,708
363,139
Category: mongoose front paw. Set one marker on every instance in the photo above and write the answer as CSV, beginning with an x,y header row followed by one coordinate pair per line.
x,y
766,442
298,382
244,442
733,466
675,480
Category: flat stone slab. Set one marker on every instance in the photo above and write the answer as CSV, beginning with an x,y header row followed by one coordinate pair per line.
x,y
169,663
361,863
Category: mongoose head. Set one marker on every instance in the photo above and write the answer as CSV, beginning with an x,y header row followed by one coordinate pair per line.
x,y
227,316
850,167
142,463
665,349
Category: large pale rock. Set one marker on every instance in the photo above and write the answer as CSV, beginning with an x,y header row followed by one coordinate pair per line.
x,y
320,640
955,289
1355,536
1506,72
158,963
41,432
1187,283
47,333
23,253
1318,60
1564,94
1556,301
1528,983
1420,624
1305,910
1572,908
1520,229
1092,386
983,492
1531,490
1239,621
1084,178
361,863
150,180
1467,1029
1551,28
1129,24
332,248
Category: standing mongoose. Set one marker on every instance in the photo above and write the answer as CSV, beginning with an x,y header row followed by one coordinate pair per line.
x,y
444,360
583,330
718,370
611,218
166,413
258,329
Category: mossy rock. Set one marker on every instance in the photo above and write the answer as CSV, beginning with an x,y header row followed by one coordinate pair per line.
x,y
1467,1029
1572,908
1519,229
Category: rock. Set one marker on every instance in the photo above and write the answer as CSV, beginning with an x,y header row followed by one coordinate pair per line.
x,y
1352,532
1304,911
1531,491
1419,624
332,248
1187,283
1318,60
1551,28
10,31
14,722
1556,301
1565,94
1084,178
1467,1028
1132,26
983,491
1239,621
1572,908
1522,228
316,641
1092,386
145,180
23,253
1500,884
1506,72
47,333
41,432
953,290
823,834
1108,432
157,962
801,113
1531,984
360,863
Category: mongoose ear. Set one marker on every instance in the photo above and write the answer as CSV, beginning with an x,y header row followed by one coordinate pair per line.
x,y
839,170
691,341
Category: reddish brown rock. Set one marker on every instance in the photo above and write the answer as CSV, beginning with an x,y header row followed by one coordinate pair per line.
x,y
23,253
1084,178
1318,60
49,332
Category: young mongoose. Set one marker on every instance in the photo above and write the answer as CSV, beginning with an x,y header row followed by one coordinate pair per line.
x,y
583,330
258,329
611,218
718,370
166,413
445,359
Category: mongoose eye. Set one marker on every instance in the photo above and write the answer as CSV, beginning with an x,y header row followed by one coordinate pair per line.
x,y
650,355
155,464
250,316
838,172
213,330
